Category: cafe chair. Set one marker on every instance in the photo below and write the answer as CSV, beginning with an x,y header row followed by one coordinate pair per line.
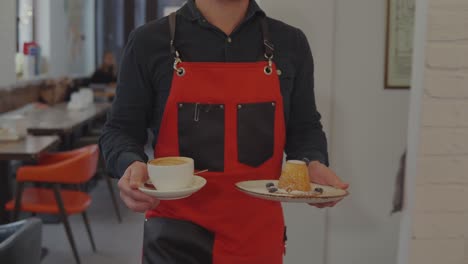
x,y
73,168
20,242
102,171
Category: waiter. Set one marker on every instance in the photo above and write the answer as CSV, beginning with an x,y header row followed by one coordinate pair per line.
x,y
222,83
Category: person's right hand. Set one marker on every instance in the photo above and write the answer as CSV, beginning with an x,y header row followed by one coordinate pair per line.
x,y
136,175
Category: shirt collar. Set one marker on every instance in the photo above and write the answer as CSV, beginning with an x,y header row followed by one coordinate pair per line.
x,y
191,12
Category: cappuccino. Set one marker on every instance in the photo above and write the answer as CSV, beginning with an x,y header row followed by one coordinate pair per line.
x,y
168,161
171,173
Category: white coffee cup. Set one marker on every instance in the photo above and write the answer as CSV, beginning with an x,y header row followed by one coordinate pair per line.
x,y
171,173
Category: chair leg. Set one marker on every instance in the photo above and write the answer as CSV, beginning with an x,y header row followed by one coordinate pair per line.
x,y
88,229
19,194
114,199
66,224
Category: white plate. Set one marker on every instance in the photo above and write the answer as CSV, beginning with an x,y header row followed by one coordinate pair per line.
x,y
258,189
197,183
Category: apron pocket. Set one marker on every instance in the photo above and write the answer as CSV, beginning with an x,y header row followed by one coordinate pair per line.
x,y
255,132
201,134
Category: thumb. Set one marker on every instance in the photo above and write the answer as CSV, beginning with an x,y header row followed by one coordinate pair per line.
x,y
336,182
323,175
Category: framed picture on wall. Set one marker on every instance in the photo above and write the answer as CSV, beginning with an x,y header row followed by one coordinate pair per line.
x,y
400,28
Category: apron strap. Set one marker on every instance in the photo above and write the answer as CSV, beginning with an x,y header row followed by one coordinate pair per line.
x,y
172,29
269,47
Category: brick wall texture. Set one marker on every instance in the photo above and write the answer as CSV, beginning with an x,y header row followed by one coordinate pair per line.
x,y
440,222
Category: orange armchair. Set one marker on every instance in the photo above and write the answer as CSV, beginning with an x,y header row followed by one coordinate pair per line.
x,y
61,163
48,158
72,167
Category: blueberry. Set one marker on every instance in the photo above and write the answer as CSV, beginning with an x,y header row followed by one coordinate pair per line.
x,y
272,189
270,184
318,190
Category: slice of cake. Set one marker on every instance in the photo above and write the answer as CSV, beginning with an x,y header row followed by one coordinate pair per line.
x,y
295,177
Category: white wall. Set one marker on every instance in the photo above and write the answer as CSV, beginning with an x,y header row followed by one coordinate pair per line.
x,y
7,42
366,128
59,45
435,228
90,40
415,113
42,27
368,137
306,233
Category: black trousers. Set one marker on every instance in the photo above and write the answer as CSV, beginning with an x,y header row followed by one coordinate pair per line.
x,y
170,241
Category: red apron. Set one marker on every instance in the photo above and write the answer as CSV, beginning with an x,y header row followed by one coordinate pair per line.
x,y
229,118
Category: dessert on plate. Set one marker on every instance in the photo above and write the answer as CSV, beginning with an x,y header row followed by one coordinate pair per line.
x,y
295,177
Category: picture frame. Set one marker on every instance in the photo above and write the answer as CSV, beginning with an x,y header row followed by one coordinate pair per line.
x,y
399,43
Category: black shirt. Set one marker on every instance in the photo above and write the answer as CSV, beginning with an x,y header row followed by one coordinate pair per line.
x,y
146,74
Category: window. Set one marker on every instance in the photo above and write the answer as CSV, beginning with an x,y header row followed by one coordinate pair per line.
x,y
25,20
24,34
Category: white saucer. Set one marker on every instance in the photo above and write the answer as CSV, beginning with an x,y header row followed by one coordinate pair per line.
x,y
197,183
258,189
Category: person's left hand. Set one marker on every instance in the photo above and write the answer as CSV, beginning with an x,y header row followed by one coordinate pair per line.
x,y
323,175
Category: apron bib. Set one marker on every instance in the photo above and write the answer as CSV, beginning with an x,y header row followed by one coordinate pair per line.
x,y
229,118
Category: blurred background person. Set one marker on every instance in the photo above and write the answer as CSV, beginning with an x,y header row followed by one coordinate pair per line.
x,y
106,73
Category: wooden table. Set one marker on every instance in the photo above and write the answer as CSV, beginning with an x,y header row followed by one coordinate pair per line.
x,y
58,120
27,149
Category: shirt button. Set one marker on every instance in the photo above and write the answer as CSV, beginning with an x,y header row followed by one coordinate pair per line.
x,y
279,72
229,40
